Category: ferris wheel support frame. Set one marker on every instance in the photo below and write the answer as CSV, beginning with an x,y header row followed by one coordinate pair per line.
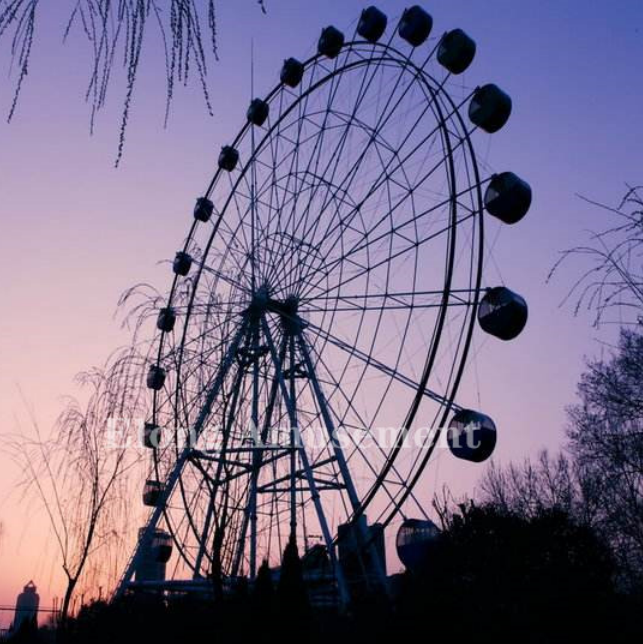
x,y
296,446
145,538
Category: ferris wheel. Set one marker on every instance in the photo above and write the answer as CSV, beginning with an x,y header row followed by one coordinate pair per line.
x,y
323,304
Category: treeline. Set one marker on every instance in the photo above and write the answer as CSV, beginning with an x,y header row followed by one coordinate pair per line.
x,y
493,575
598,479
552,552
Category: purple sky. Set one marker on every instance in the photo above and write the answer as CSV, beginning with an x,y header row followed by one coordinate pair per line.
x,y
76,232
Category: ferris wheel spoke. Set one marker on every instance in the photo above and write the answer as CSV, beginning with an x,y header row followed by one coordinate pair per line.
x,y
371,241
211,332
336,154
206,308
285,274
357,247
380,123
228,280
357,448
253,193
387,260
386,171
273,197
314,154
399,297
372,362
345,185
234,249
272,178
357,308
301,108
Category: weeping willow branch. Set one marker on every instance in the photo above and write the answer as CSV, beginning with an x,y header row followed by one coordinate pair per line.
x,y
18,18
116,31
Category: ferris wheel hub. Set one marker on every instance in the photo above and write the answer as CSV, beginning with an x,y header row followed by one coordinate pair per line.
x,y
259,303
286,309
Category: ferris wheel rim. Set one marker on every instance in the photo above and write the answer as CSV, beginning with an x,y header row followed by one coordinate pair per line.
x,y
241,134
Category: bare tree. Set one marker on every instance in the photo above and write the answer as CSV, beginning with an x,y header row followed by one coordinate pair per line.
x,y
606,440
116,31
599,481
79,476
606,425
611,280
546,483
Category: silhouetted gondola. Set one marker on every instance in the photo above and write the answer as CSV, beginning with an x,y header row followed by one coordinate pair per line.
x,y
414,541
471,436
502,313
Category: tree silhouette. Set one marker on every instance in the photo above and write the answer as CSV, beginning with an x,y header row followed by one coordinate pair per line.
x,y
264,591
292,597
606,440
80,478
497,576
546,483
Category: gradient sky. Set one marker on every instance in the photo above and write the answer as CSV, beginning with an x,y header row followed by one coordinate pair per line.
x,y
75,232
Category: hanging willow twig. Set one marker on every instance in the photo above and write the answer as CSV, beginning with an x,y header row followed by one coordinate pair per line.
x,y
116,30
19,16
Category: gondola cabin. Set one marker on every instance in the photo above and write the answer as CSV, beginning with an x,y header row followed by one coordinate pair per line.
x,y
414,542
456,51
507,197
152,493
502,313
490,108
471,436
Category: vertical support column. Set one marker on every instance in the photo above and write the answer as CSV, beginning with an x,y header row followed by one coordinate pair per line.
x,y
227,429
363,540
255,428
294,439
258,452
292,416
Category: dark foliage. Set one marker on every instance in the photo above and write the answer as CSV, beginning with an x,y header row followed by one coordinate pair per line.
x,y
263,594
496,577
599,478
291,590
27,633
493,576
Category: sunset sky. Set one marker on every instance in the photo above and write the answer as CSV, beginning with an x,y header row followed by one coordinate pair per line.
x,y
75,232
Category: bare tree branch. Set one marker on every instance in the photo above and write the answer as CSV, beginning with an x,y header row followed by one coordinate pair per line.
x,y
613,281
